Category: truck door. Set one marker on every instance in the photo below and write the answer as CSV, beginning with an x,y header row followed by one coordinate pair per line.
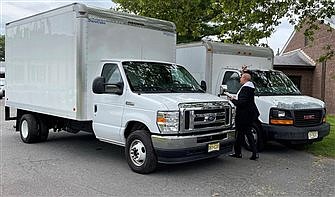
x,y
108,107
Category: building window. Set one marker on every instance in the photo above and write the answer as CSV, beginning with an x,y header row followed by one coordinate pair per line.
x,y
296,80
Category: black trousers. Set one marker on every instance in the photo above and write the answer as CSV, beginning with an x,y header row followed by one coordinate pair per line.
x,y
240,132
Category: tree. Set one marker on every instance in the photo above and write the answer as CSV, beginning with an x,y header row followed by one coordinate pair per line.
x,y
190,16
2,47
239,21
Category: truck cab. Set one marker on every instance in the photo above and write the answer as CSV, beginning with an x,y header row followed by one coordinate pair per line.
x,y
285,114
159,113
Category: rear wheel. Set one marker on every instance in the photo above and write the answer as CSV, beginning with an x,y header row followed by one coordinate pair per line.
x,y
28,129
43,130
139,151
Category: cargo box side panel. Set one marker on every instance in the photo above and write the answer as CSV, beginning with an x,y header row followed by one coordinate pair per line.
x,y
109,39
194,60
41,65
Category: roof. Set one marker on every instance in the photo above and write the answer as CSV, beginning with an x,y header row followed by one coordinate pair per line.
x,y
231,49
294,59
330,21
104,15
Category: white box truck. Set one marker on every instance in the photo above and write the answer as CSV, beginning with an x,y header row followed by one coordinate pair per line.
x,y
77,68
285,114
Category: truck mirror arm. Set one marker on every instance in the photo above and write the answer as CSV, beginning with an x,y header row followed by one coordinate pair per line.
x,y
223,89
203,85
114,88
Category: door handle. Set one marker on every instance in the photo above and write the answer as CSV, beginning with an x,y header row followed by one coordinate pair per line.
x,y
95,108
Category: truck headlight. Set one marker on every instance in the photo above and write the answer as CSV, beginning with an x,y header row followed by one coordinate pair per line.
x,y
324,113
168,121
281,117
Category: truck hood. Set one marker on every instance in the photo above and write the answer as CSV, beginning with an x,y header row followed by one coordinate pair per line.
x,y
291,102
172,100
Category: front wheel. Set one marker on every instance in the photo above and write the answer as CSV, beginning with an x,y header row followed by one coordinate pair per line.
x,y
140,154
258,137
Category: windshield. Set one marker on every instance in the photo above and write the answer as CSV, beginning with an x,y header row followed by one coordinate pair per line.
x,y
273,83
152,77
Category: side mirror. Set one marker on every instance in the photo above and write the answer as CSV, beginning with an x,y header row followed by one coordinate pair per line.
x,y
203,85
98,86
223,89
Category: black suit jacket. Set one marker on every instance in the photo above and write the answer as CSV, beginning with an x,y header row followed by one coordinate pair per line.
x,y
246,109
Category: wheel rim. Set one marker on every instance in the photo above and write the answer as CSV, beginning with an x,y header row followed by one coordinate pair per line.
x,y
137,152
24,129
254,134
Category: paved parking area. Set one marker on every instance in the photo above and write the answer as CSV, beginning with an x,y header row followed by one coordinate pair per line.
x,y
79,165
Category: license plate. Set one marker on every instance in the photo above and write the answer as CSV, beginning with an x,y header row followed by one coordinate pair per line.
x,y
214,147
313,135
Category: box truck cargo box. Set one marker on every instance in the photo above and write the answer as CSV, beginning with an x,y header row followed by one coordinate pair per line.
x,y
53,57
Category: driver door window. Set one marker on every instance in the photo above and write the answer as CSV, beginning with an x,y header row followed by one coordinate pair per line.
x,y
113,78
111,73
232,80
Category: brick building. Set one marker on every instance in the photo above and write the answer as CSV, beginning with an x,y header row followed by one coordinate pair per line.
x,y
299,61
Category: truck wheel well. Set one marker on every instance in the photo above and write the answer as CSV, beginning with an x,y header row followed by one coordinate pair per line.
x,y
264,135
19,114
134,126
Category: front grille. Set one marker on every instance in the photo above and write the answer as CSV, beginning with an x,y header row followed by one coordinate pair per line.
x,y
205,118
211,138
308,117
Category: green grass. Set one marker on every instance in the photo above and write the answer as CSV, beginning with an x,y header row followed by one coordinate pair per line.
x,y
326,147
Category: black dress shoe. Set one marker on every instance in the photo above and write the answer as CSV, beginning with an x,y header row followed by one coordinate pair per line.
x,y
235,155
254,157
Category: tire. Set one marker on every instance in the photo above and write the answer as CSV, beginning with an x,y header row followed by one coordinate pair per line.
x,y
139,152
43,130
258,136
29,129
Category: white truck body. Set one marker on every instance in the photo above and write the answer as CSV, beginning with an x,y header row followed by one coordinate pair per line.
x,y
213,62
79,68
55,74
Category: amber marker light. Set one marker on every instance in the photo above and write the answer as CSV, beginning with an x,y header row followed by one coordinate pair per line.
x,y
161,120
281,122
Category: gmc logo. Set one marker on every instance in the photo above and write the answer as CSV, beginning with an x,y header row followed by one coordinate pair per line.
x,y
309,117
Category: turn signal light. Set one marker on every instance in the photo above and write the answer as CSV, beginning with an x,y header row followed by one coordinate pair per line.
x,y
324,119
282,122
161,120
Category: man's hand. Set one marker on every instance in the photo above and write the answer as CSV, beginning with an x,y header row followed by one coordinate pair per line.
x,y
229,96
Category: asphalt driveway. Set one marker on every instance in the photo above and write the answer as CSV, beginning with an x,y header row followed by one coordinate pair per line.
x,y
79,165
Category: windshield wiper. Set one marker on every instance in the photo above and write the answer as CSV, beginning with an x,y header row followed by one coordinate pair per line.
x,y
151,89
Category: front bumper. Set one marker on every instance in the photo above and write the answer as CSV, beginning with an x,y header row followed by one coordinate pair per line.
x,y
181,149
295,134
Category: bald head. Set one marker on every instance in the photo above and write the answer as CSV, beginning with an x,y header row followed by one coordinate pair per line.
x,y
245,78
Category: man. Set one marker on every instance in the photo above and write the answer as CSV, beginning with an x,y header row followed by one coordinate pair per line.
x,y
246,114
